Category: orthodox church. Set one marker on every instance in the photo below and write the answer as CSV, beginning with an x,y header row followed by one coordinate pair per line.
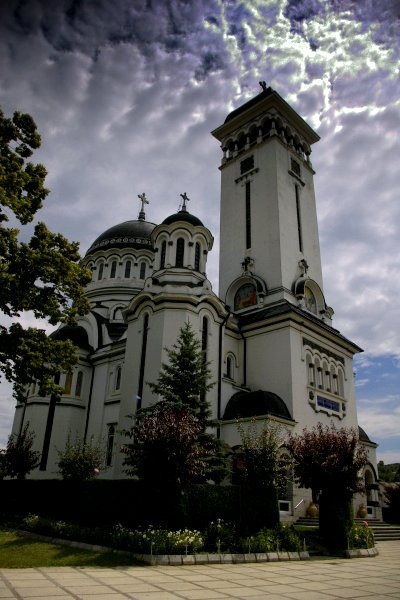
x,y
268,335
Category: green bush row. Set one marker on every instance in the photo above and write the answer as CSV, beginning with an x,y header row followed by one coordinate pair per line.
x,y
219,536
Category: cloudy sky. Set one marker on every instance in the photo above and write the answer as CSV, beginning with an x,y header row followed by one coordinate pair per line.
x,y
126,92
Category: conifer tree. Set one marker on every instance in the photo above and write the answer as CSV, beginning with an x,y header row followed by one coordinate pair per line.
x,y
185,379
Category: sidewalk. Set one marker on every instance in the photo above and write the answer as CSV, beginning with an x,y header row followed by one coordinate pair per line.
x,y
375,578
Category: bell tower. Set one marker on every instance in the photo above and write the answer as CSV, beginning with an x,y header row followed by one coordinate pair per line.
x,y
269,229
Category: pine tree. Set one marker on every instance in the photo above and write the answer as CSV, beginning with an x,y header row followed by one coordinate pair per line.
x,y
185,380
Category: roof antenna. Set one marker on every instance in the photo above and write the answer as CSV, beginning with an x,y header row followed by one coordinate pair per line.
x,y
143,199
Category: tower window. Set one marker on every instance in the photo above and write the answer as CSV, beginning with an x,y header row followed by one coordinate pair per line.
x,y
118,379
247,164
113,269
197,257
128,266
163,253
295,167
68,383
142,270
78,386
298,213
101,269
248,216
180,249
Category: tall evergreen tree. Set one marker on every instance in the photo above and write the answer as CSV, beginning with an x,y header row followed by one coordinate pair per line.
x,y
185,379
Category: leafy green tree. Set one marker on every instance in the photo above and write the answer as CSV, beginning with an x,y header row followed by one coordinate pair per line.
x,y
262,471
80,460
185,379
260,452
165,447
42,275
329,461
389,473
19,458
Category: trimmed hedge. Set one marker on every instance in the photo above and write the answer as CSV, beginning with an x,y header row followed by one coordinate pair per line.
x,y
104,503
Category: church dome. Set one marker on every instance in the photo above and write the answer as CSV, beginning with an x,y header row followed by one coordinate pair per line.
x,y
182,215
130,234
75,333
255,404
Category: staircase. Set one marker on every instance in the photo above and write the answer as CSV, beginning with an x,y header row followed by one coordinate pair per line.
x,y
382,531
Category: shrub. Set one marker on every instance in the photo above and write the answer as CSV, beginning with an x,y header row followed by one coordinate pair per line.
x,y
157,541
361,536
221,536
81,460
273,540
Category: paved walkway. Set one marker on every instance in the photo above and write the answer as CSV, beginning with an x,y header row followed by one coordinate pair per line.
x,y
376,578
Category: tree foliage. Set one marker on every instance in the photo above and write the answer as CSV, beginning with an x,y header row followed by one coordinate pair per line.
x,y
165,447
261,453
19,459
41,275
185,379
80,460
325,457
329,461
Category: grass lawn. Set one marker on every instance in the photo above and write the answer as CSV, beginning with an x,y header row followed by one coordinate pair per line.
x,y
17,551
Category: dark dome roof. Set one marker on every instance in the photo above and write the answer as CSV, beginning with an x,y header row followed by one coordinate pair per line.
x,y
183,215
255,404
77,334
130,234
362,435
252,102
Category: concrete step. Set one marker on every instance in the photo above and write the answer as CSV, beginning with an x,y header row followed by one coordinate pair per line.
x,y
382,531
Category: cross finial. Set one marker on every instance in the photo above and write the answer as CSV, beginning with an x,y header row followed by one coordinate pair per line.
x,y
263,85
144,201
185,199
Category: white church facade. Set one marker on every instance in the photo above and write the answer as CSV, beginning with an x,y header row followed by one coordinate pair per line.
x,y
268,335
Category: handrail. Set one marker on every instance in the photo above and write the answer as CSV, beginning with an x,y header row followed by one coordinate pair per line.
x,y
301,502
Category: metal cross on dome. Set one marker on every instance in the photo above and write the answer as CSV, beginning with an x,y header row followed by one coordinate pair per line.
x,y
185,199
143,200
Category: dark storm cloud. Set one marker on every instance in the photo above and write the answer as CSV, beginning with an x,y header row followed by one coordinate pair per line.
x,y
125,93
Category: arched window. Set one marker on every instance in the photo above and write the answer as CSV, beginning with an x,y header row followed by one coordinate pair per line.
x,y
113,269
142,270
78,386
229,367
204,337
311,372
101,269
163,253
117,385
180,250
110,443
68,383
197,257
128,266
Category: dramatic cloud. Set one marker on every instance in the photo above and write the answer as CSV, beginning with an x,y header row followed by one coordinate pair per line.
x,y
125,94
